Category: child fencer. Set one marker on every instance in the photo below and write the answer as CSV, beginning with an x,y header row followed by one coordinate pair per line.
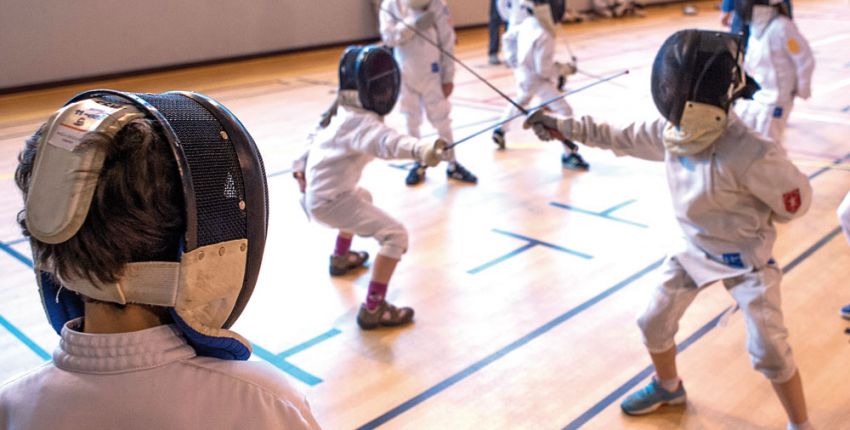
x,y
780,60
728,185
530,50
427,74
328,173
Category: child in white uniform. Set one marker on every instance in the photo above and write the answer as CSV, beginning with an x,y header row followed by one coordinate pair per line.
x,y
427,74
728,185
536,72
139,362
780,60
329,171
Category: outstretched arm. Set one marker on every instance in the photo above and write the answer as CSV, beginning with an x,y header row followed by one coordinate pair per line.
x,y
641,140
377,139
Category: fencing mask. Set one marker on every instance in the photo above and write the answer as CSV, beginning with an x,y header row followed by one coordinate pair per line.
x,y
369,78
698,73
223,180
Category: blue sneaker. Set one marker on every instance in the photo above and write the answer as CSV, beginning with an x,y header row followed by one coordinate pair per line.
x,y
652,397
845,312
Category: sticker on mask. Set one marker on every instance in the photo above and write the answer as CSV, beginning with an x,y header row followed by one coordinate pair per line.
x,y
777,112
792,200
77,121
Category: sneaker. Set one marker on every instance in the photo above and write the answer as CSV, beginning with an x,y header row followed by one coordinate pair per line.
x,y
573,161
385,315
652,397
499,138
457,172
493,60
416,175
342,264
845,312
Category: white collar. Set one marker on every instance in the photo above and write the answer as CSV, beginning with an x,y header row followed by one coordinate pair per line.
x,y
120,352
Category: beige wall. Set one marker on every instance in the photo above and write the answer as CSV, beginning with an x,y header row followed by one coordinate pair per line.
x,y
53,40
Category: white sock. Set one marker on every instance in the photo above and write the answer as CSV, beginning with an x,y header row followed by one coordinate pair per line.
x,y
802,426
670,385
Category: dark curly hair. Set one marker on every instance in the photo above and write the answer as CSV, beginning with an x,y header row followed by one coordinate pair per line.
x,y
137,212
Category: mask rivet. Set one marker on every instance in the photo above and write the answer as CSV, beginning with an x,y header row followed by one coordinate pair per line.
x,y
221,251
242,204
223,134
201,255
242,247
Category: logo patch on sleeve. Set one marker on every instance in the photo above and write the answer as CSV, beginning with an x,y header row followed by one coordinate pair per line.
x,y
792,200
793,45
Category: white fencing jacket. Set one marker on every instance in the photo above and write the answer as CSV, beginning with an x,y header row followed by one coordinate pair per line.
x,y
148,379
535,52
418,59
781,61
726,198
334,161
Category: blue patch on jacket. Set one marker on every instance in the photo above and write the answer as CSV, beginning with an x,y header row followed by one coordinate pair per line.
x,y
733,259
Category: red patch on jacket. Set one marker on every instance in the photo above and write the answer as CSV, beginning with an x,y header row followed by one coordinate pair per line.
x,y
792,200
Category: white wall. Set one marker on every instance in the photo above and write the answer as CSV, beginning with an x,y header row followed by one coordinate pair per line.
x,y
54,40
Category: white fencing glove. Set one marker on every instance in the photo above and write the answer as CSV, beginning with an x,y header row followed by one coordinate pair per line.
x,y
544,126
430,153
566,69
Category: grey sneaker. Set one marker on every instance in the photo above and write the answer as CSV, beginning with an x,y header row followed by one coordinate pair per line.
x,y
342,264
494,60
385,315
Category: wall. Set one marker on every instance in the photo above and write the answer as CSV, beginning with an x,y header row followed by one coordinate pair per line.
x,y
53,40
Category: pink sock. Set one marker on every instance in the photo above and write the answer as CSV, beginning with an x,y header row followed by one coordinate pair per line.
x,y
376,294
343,244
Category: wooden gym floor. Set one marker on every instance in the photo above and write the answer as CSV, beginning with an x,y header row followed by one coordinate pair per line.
x,y
526,286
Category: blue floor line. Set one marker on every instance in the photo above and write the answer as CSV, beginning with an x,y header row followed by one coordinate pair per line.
x,y
826,169
619,392
635,380
285,366
310,343
17,241
463,374
20,257
496,261
39,351
598,214
609,211
278,173
542,243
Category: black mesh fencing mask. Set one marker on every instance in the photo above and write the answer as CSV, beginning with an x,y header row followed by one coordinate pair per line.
x,y
369,78
700,66
226,210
